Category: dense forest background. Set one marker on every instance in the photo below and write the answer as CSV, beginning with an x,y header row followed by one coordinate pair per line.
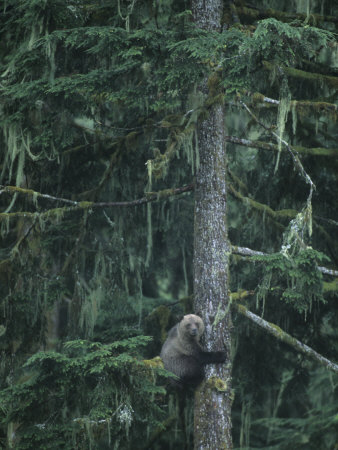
x,y
99,104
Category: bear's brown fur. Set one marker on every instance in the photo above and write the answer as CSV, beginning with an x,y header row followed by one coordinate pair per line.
x,y
182,354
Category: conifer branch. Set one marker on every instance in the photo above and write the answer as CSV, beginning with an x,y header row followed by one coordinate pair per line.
x,y
281,335
150,197
268,146
244,251
310,76
31,193
329,108
276,215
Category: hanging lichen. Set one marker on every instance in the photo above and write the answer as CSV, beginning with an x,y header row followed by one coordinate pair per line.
x,y
245,424
149,235
282,115
12,203
294,117
299,229
50,53
184,263
126,18
149,216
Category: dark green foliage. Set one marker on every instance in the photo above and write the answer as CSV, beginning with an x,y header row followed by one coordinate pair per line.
x,y
295,279
87,396
97,104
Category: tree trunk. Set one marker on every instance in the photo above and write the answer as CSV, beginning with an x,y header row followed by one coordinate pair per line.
x,y
211,260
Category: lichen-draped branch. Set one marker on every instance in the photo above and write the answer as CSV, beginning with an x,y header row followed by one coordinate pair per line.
x,y
310,76
244,251
315,106
150,197
281,335
315,151
273,215
276,215
31,193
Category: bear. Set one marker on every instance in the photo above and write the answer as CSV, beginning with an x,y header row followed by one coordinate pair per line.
x,y
182,354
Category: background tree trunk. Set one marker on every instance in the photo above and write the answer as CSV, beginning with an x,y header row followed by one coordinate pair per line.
x,y
211,261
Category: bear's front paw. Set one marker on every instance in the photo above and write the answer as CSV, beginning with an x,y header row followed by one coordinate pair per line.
x,y
220,357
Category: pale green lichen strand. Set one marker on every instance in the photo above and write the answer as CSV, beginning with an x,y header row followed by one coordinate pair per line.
x,y
282,115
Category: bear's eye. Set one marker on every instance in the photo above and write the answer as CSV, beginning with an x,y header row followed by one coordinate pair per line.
x,y
197,325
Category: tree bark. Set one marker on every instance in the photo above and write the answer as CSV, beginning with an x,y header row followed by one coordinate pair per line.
x,y
213,399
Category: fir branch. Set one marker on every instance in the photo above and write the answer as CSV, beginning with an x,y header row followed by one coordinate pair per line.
x,y
244,251
329,108
332,286
31,193
281,335
310,76
276,215
150,197
239,295
268,146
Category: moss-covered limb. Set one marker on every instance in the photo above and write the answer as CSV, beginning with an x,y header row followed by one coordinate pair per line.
x,y
27,214
327,271
327,287
310,76
49,214
274,147
34,194
285,337
154,363
299,105
331,287
242,186
57,212
75,149
239,295
150,197
276,215
295,158
253,14
318,67
245,252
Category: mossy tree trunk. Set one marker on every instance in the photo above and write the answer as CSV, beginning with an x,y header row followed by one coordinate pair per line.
x,y
211,260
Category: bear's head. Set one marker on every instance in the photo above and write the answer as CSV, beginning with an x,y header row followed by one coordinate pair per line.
x,y
191,327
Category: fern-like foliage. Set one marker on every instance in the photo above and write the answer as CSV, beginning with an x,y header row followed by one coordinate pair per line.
x,y
89,389
295,279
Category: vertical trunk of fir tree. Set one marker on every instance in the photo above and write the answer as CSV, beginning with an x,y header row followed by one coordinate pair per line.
x,y
211,258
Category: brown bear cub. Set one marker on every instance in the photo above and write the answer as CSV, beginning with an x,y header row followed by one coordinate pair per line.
x,y
182,354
